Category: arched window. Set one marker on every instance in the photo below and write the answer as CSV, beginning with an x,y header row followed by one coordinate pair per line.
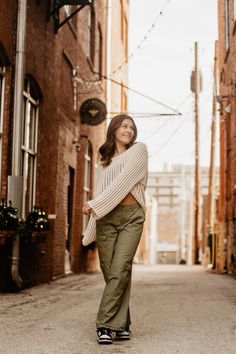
x,y
32,96
87,180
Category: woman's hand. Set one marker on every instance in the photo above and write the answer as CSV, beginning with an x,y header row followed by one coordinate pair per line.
x,y
87,210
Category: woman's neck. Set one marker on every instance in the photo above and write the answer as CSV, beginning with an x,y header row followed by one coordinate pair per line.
x,y
120,148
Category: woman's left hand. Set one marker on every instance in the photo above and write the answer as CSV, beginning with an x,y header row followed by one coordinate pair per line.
x,y
87,210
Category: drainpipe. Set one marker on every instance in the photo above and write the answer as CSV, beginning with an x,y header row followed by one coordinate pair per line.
x,y
15,182
108,58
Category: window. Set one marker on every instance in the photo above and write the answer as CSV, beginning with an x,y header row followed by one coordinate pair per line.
x,y
123,99
164,200
100,56
2,94
125,36
227,25
69,9
29,144
91,33
121,20
162,190
124,28
87,181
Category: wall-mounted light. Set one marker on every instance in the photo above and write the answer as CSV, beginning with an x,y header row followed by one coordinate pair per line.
x,y
228,108
220,98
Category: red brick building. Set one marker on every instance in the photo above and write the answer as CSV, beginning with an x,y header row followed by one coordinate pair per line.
x,y
226,242
46,73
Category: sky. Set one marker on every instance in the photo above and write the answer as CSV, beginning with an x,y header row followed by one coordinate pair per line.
x,y
161,69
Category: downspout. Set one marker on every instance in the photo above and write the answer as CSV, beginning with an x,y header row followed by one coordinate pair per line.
x,y
108,59
15,182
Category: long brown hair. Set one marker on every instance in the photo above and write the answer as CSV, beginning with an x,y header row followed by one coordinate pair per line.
x,y
107,150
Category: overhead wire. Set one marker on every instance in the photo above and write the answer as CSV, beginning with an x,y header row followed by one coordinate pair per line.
x,y
138,47
166,122
175,112
178,127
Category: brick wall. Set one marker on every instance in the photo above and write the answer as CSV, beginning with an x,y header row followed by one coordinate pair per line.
x,y
227,201
49,59
7,49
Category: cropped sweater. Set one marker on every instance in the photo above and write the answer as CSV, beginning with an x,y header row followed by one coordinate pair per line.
x,y
127,173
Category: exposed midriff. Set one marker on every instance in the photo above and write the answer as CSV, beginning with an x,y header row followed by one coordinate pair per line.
x,y
129,199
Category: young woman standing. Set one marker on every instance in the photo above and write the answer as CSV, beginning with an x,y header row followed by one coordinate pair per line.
x,y
116,222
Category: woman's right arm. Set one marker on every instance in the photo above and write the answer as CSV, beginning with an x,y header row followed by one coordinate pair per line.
x,y
134,171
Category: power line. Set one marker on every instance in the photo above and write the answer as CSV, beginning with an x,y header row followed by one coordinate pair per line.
x,y
160,14
167,121
143,115
142,94
157,130
178,127
130,89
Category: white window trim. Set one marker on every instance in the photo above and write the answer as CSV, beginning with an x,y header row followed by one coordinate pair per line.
x,y
32,152
227,25
67,9
87,187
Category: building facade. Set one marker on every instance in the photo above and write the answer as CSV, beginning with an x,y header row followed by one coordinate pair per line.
x,y
168,233
48,69
226,243
117,66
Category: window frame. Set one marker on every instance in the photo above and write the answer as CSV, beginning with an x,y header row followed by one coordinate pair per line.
x,y
124,28
100,51
91,35
227,24
87,182
29,152
234,18
69,9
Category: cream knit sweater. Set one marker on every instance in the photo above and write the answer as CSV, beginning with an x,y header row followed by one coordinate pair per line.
x,y
127,173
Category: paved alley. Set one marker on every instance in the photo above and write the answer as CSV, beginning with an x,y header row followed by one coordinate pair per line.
x,y
175,309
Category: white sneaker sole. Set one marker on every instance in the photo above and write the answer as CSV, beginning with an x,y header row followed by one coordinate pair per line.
x,y
104,340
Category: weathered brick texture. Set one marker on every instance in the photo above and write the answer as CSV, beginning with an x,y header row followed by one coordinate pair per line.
x,y
226,257
50,59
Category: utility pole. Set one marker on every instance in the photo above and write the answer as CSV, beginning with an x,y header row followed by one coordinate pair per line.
x,y
196,88
211,191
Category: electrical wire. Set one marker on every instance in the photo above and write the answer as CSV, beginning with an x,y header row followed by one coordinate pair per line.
x,y
178,127
167,121
175,112
159,15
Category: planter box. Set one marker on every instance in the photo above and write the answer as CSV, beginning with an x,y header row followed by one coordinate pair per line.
x,y
5,234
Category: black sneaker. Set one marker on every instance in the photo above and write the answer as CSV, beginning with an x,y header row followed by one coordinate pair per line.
x,y
123,335
104,336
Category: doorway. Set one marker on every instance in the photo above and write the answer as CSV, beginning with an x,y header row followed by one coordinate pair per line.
x,y
70,195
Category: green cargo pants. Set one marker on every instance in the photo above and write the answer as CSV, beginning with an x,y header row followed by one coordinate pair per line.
x,y
118,235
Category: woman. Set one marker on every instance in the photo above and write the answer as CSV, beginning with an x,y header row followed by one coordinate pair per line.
x,y
117,216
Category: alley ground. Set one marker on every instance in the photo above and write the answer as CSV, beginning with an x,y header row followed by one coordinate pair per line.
x,y
175,309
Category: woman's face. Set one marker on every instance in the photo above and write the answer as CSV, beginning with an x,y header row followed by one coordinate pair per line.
x,y
124,134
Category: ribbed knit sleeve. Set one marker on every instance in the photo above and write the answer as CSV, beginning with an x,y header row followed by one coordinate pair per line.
x,y
134,171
